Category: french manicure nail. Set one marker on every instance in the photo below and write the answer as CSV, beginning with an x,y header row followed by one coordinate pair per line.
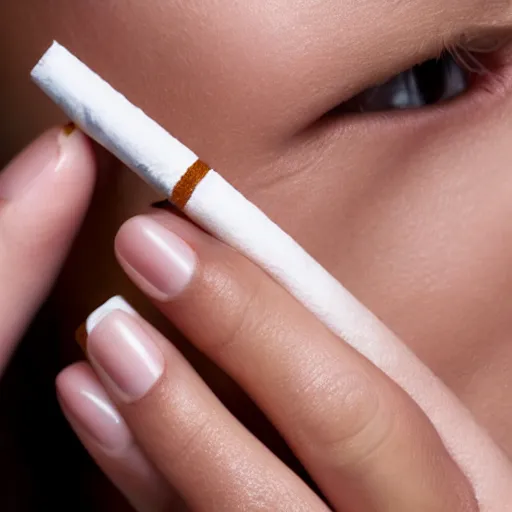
x,y
123,351
157,259
82,333
88,405
112,304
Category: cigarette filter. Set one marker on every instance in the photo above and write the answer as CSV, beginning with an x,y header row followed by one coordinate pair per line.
x,y
205,197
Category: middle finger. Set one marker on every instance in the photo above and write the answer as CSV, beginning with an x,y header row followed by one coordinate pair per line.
x,y
198,446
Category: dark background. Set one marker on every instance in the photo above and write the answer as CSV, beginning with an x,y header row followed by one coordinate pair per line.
x,y
42,464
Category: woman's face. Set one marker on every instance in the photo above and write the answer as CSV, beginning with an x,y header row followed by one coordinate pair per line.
x,y
408,209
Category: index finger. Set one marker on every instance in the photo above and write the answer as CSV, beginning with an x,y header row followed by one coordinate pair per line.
x,y
364,441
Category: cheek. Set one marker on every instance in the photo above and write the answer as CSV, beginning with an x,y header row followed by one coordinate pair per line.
x,y
415,232
428,244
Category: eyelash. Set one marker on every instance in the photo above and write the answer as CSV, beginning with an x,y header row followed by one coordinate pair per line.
x,y
435,81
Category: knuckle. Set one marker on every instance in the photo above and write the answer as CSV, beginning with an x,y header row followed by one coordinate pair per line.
x,y
241,309
242,322
347,419
393,426
175,428
193,441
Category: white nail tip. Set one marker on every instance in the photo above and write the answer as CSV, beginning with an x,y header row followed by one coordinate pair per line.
x,y
113,304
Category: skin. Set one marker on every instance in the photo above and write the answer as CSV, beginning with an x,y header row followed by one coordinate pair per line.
x,y
416,228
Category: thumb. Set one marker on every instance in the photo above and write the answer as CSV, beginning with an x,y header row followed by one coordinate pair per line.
x,y
44,193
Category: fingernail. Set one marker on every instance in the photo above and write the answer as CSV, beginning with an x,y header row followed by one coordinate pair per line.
x,y
123,352
38,160
82,333
157,259
113,304
68,129
87,405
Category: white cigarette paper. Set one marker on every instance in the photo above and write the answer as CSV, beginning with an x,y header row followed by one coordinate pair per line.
x,y
161,160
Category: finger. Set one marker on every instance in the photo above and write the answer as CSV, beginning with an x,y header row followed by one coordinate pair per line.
x,y
363,440
203,451
105,435
44,194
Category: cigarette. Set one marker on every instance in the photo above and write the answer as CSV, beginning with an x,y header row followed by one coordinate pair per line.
x,y
211,202
192,186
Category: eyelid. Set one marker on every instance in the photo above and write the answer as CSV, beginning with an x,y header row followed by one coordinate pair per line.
x,y
435,81
467,49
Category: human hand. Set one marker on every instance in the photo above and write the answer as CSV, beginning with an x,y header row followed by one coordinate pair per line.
x,y
153,425
44,193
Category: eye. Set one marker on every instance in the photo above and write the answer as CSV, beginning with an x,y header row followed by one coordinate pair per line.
x,y
433,81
